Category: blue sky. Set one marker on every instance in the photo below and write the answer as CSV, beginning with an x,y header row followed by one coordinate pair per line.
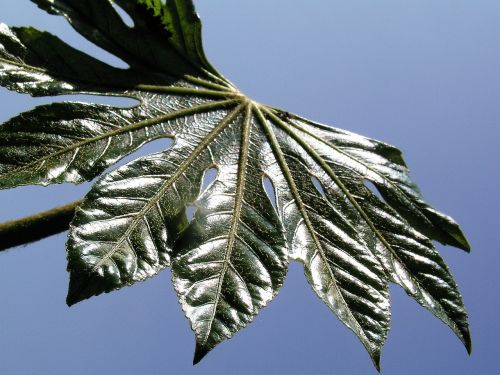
x,y
422,75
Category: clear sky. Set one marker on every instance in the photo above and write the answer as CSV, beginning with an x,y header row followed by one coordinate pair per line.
x,y
423,75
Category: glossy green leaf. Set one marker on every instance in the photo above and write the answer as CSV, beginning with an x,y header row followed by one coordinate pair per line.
x,y
230,259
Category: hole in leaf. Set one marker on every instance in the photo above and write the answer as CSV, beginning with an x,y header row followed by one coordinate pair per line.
x,y
70,36
318,185
373,188
157,145
13,106
114,101
209,177
190,212
79,42
270,191
59,27
123,15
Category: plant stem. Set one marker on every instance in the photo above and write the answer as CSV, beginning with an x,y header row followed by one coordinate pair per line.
x,y
36,227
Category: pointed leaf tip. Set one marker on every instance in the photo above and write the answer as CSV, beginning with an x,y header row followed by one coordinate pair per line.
x,y
83,286
200,352
70,301
462,242
451,232
376,361
375,357
76,290
467,341
454,235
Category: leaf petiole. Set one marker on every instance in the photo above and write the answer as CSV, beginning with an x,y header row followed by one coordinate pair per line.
x,y
36,227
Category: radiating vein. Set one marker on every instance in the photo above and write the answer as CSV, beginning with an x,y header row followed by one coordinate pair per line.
x,y
235,220
206,107
168,183
300,205
318,159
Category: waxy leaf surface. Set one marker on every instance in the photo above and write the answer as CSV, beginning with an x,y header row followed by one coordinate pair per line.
x,y
229,260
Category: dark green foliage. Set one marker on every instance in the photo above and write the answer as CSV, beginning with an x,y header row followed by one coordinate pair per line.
x,y
230,260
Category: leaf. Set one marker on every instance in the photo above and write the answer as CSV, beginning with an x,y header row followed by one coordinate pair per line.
x,y
231,258
408,257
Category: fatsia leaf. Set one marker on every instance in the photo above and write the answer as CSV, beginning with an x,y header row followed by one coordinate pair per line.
x,y
231,258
